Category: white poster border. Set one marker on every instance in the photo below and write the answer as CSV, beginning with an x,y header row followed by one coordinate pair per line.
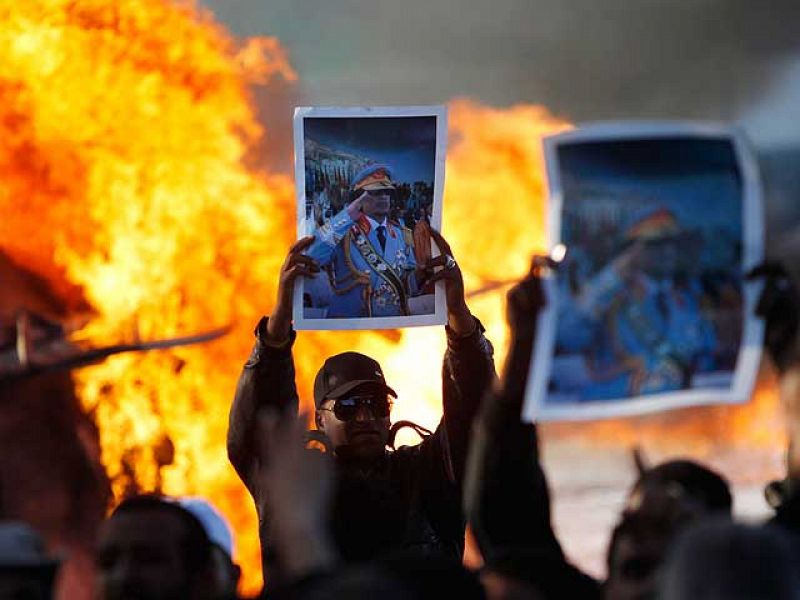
x,y
439,316
535,408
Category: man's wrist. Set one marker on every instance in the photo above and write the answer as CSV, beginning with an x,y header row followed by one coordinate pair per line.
x,y
277,339
461,321
270,338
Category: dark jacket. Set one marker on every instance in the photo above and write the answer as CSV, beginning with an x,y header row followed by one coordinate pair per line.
x,y
410,499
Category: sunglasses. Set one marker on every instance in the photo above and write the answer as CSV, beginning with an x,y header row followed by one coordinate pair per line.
x,y
346,409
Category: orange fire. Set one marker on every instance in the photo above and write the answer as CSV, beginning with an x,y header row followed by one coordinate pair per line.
x,y
124,126
696,431
122,181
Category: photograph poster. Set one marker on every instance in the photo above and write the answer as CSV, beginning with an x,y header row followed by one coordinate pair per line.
x,y
649,309
369,186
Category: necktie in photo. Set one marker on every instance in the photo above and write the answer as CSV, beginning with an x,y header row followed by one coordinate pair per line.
x,y
381,231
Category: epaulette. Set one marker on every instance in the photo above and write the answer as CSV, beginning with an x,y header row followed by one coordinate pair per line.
x,y
408,235
363,224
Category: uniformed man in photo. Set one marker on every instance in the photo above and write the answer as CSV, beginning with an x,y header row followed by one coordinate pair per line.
x,y
368,257
640,321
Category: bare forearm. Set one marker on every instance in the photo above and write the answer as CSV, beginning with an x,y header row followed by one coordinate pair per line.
x,y
279,327
461,321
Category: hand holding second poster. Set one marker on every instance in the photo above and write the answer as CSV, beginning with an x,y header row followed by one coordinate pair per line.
x,y
650,309
369,188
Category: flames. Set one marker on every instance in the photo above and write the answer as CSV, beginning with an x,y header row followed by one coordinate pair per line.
x,y
122,180
125,129
697,431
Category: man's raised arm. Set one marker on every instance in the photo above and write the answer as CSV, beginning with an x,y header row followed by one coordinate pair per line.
x,y
330,235
268,376
779,306
468,369
507,500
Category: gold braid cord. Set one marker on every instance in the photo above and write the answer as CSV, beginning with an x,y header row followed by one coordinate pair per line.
x,y
366,281
360,278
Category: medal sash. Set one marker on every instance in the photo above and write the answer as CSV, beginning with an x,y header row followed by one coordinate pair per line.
x,y
380,267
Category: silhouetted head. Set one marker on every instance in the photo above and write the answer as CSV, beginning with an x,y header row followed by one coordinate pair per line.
x,y
26,569
722,560
151,548
664,501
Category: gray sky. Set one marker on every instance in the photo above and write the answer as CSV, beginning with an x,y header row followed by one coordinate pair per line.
x,y
734,60
585,59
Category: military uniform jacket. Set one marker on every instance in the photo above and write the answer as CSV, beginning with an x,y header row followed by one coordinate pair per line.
x,y
410,500
660,325
366,281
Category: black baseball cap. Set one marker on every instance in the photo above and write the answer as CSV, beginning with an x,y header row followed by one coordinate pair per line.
x,y
344,372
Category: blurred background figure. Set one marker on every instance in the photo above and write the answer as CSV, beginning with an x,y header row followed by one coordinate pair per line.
x,y
638,323
226,571
664,501
508,501
27,572
722,560
151,548
51,476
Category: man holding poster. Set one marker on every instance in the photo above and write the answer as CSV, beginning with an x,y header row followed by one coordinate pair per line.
x,y
386,500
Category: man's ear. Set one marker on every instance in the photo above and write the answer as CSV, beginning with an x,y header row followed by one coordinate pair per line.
x,y
318,420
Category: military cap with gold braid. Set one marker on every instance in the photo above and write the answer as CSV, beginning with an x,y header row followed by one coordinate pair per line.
x,y
373,177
